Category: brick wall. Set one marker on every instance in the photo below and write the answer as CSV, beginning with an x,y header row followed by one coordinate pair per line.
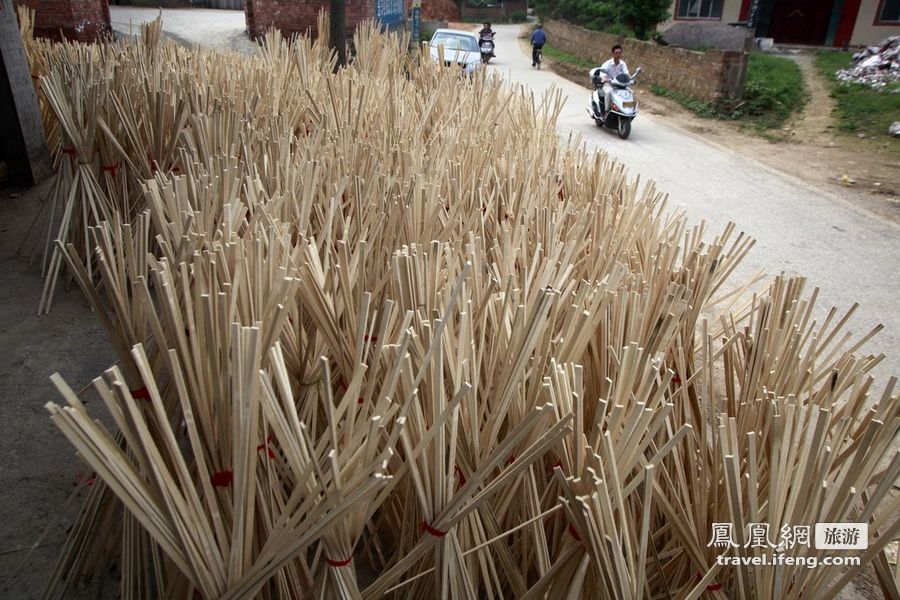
x,y
496,12
296,17
488,13
515,6
440,10
704,75
81,20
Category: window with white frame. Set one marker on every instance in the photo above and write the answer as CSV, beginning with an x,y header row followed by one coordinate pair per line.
x,y
700,9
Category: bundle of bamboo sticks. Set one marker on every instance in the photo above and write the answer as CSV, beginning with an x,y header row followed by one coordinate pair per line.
x,y
380,333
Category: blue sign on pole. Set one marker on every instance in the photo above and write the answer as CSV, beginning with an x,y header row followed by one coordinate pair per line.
x,y
416,23
389,12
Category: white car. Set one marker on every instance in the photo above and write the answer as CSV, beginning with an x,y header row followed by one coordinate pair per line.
x,y
459,47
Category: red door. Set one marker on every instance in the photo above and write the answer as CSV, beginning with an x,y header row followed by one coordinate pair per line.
x,y
801,21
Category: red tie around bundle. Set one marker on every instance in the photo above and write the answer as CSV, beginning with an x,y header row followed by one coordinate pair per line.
x,y
338,563
435,532
142,393
222,478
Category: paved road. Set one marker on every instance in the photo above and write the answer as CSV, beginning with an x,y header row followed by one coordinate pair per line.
x,y
222,29
801,230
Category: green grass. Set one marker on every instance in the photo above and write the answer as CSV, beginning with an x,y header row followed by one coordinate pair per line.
x,y
773,92
560,56
859,108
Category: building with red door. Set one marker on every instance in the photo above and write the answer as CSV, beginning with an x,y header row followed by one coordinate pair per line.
x,y
811,22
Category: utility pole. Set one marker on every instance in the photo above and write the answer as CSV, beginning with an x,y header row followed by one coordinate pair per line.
x,y
337,17
22,143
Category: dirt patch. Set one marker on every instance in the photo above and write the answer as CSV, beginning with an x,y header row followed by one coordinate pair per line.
x,y
864,172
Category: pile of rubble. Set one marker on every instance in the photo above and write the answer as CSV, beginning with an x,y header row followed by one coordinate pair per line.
x,y
875,66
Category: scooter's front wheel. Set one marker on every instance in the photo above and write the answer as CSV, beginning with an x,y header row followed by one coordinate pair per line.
x,y
624,128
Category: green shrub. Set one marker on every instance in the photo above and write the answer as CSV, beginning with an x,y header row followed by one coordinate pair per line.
x,y
859,108
773,92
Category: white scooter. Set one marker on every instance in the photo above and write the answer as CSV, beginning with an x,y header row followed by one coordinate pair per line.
x,y
486,45
623,105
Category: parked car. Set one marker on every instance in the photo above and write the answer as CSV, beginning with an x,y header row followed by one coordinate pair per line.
x,y
460,47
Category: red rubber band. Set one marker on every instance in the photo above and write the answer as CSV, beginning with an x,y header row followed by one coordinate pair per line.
x,y
268,450
511,459
676,379
574,532
367,338
360,400
343,385
556,464
113,168
35,77
266,446
435,532
712,587
222,478
142,393
338,563
459,474
85,479
69,151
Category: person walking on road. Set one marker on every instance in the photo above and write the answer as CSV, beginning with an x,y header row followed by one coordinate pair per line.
x,y
538,39
614,67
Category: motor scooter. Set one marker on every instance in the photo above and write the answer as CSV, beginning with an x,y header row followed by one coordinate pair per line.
x,y
623,105
486,45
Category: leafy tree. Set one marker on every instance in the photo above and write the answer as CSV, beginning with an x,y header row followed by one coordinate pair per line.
x,y
642,16
613,16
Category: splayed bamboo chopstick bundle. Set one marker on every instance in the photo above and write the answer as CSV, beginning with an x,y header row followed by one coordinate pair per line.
x,y
380,283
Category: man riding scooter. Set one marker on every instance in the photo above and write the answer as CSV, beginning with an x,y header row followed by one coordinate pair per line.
x,y
613,68
486,41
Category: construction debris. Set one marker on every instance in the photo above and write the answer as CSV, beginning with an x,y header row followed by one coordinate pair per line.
x,y
380,334
876,66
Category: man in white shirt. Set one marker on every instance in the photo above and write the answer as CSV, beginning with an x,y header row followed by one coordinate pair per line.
x,y
613,68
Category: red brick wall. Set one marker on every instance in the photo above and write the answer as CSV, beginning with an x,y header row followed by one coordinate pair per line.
x,y
488,13
494,13
440,10
515,6
81,20
296,17
704,75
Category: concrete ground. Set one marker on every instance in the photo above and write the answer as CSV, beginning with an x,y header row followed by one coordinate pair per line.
x,y
41,479
800,230
222,29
